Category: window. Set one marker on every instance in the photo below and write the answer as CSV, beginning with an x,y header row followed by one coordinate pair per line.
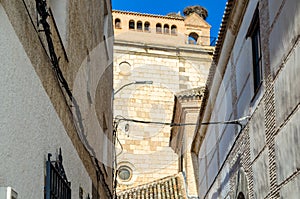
x,y
131,25
254,33
158,28
139,25
57,185
193,38
147,26
124,173
166,29
241,196
117,23
173,30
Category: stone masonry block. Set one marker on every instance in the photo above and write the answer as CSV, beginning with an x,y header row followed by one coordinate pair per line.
x,y
257,132
287,148
261,181
291,190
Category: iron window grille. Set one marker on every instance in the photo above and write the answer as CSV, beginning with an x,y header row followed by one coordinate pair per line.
x,y
57,184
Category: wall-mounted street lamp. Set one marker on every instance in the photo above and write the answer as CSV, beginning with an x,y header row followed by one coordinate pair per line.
x,y
135,82
116,123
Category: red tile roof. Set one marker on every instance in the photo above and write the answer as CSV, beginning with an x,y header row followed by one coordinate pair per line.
x,y
171,187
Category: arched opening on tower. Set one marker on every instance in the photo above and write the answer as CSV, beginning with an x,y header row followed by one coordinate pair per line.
x,y
166,29
117,23
131,25
147,26
139,25
158,28
193,38
173,30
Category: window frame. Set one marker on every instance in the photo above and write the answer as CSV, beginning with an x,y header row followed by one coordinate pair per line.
x,y
193,38
139,26
131,22
158,28
128,169
173,30
118,24
166,29
257,57
56,182
147,26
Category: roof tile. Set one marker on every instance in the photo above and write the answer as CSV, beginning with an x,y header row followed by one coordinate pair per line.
x,y
165,188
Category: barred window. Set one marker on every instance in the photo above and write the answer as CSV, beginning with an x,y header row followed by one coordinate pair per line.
x,y
57,185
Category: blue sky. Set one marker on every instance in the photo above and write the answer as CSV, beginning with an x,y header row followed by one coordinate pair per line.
x,y
215,8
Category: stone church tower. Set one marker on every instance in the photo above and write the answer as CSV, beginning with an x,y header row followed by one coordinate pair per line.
x,y
175,53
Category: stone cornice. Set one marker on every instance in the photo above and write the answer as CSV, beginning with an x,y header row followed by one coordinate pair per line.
x,y
191,48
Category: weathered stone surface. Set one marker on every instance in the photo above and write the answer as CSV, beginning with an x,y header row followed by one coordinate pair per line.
x,y
261,181
257,132
287,93
287,147
291,189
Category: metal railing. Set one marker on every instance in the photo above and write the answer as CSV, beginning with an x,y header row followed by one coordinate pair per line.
x,y
57,185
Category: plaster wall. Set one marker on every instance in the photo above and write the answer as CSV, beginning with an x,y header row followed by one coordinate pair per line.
x,y
283,34
268,144
30,127
84,47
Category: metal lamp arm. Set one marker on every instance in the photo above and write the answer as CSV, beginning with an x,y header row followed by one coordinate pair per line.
x,y
135,82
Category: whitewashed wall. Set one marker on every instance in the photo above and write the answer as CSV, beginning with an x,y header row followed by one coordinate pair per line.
x,y
29,126
283,49
285,53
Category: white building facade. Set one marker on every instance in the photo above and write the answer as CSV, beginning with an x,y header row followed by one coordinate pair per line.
x,y
45,117
253,86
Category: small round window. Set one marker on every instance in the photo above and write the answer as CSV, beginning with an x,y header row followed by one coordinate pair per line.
x,y
124,173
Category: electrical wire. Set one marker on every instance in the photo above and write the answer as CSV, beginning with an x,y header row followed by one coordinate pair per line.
x,y
41,6
120,118
236,121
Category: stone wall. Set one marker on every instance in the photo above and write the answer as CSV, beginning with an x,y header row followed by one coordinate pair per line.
x,y
145,147
179,36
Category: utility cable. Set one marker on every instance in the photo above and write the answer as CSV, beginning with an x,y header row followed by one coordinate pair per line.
x,y
41,6
236,121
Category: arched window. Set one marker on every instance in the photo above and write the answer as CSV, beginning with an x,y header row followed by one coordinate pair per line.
x,y
173,30
166,29
147,26
193,38
139,25
241,196
131,25
117,23
158,28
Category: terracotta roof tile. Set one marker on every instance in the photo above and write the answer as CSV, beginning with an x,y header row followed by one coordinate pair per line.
x,y
191,93
165,188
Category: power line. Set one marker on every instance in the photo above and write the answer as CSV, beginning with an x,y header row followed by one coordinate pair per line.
x,y
171,124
